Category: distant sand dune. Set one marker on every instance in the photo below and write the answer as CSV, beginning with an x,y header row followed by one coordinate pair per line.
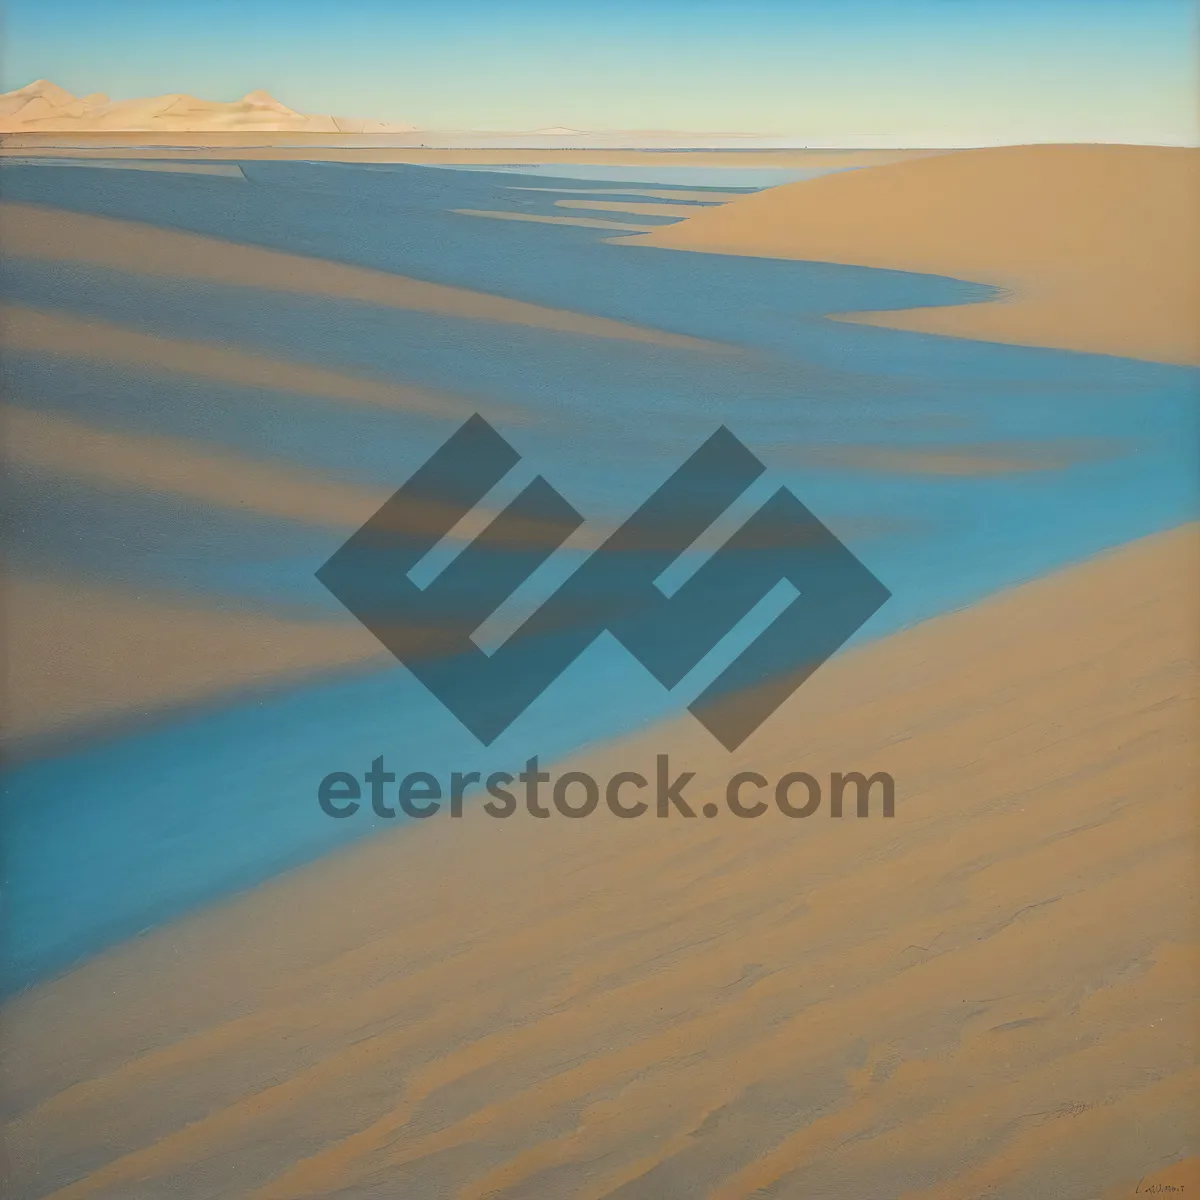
x,y
994,992
1098,246
44,107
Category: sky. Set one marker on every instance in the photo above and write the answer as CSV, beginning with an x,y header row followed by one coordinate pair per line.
x,y
822,72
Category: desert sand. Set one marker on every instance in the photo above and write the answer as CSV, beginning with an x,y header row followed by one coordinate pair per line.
x,y
1097,248
44,107
993,992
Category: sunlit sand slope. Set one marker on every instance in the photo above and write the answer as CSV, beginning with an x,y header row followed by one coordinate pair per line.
x,y
1097,247
993,992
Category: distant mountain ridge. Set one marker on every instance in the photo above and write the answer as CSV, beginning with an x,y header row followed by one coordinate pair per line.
x,y
44,107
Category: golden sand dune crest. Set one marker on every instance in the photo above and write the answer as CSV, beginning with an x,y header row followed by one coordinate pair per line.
x,y
991,992
1097,247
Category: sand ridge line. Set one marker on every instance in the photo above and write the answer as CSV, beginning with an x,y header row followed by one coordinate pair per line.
x,y
217,170
628,206
30,231
282,147
959,459
81,652
222,478
534,218
174,466
686,196
48,332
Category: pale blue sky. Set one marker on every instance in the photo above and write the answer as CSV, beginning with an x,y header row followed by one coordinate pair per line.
x,y
833,72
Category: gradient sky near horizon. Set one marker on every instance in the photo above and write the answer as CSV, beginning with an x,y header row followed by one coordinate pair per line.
x,y
825,72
